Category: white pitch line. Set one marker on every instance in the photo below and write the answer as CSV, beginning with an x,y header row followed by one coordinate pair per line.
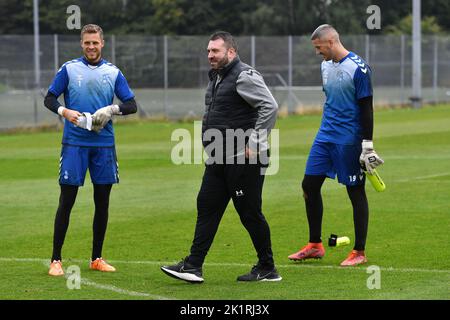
x,y
334,267
293,265
424,177
232,264
87,282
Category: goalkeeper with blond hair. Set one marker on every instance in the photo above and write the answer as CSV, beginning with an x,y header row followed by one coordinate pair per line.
x,y
89,84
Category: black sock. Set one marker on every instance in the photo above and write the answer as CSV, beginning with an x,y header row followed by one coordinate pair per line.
x,y
358,198
101,200
311,186
66,202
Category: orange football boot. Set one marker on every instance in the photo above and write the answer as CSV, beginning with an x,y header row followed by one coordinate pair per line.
x,y
56,268
101,265
354,258
310,251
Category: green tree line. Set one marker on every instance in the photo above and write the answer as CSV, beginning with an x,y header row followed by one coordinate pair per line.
x,y
240,17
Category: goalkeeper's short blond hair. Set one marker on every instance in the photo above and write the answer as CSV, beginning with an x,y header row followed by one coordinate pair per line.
x,y
91,28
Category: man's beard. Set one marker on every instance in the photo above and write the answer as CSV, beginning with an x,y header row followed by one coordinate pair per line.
x,y
222,63
95,59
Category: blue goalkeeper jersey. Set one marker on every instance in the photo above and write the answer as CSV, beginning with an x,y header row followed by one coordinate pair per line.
x,y
88,88
344,83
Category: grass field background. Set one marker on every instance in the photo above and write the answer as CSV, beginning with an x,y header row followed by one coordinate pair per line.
x,y
182,103
153,213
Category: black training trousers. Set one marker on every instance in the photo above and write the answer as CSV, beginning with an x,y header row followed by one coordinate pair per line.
x,y
66,202
243,184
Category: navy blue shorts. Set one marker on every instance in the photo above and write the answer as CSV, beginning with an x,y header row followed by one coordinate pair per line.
x,y
329,159
75,160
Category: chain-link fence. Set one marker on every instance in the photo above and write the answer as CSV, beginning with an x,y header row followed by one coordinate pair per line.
x,y
169,73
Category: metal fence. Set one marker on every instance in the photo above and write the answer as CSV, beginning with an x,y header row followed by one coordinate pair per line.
x,y
169,73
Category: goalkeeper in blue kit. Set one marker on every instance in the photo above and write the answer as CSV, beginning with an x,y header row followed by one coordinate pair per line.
x,y
89,84
343,146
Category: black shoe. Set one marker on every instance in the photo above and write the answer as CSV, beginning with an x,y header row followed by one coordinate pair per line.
x,y
184,271
261,274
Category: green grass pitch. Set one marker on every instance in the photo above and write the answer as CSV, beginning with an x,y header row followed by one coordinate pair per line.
x,y
153,213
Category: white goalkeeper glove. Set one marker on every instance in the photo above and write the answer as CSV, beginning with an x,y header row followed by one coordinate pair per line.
x,y
85,121
102,116
369,158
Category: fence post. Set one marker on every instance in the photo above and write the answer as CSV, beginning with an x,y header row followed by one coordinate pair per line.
x,y
402,68
166,76
416,98
56,52
113,49
367,45
290,106
37,65
253,58
435,68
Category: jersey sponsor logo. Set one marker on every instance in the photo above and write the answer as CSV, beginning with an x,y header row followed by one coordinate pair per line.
x,y
79,79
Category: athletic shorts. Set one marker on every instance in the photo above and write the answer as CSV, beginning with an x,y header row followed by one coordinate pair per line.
x,y
329,159
75,160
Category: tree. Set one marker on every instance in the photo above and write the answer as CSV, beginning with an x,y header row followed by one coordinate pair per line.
x,y
16,17
429,25
202,17
439,9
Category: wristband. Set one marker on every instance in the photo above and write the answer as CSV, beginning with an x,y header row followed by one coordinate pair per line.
x,y
61,111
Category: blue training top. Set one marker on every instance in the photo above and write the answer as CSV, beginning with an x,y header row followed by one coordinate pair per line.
x,y
344,83
88,88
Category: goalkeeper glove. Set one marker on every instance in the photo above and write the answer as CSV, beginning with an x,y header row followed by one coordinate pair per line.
x,y
85,121
102,116
369,158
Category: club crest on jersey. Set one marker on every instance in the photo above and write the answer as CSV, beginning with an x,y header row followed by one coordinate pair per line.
x,y
105,79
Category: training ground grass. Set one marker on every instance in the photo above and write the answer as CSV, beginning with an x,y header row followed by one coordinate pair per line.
x,y
153,212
